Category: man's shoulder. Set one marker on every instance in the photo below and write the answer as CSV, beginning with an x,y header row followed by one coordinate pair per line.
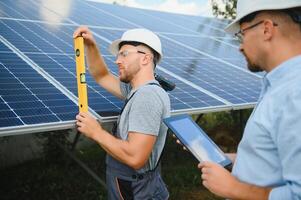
x,y
153,92
291,86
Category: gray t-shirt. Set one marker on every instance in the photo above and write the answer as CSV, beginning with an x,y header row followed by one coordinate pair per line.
x,y
144,113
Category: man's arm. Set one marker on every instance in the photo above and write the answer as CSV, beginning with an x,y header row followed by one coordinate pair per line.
x,y
97,66
222,183
144,118
133,152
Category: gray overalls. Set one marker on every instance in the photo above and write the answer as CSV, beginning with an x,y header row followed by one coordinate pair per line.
x,y
125,183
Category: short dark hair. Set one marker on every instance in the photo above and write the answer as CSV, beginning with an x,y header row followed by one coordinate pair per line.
x,y
133,43
249,17
295,14
129,43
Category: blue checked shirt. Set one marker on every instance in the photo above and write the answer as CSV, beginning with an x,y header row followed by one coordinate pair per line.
x,y
269,154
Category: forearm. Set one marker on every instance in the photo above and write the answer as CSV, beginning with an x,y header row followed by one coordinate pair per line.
x,y
119,149
100,72
244,191
97,66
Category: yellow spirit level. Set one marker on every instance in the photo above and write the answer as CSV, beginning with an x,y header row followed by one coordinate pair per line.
x,y
81,74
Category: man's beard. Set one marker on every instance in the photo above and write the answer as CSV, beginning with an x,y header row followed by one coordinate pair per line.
x,y
128,76
124,79
252,66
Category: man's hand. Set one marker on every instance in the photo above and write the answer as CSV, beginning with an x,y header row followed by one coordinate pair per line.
x,y
86,34
217,179
88,125
220,182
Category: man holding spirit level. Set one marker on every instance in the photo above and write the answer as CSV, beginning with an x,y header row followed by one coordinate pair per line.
x,y
135,145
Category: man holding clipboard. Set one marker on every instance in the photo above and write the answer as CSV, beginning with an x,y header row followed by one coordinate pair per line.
x,y
268,161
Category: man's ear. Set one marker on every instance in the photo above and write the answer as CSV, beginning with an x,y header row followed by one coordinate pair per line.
x,y
269,29
147,58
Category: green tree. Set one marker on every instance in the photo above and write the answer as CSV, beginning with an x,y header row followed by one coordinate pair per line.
x,y
224,8
119,2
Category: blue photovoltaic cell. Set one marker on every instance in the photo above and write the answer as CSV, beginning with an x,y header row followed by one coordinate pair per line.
x,y
186,97
208,45
235,86
35,10
35,37
17,9
110,34
20,100
18,40
3,48
138,19
189,21
197,24
83,13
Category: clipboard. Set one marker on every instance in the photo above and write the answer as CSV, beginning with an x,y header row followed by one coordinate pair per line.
x,y
196,140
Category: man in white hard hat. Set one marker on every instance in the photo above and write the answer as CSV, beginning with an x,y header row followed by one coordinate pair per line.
x,y
268,160
135,145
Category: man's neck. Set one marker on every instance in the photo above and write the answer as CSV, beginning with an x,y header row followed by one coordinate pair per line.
x,y
282,53
141,79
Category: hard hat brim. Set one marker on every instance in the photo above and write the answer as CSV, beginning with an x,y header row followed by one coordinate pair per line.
x,y
233,27
114,47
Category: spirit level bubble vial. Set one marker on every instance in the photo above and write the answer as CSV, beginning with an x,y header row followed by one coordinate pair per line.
x,y
81,74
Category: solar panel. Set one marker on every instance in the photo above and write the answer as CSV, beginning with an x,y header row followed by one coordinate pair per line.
x,y
48,61
199,57
27,98
235,86
208,45
52,56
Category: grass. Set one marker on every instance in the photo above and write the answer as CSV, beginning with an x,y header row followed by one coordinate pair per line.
x,y
56,177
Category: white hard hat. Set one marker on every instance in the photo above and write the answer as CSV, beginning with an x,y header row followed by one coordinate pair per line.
x,y
246,7
138,35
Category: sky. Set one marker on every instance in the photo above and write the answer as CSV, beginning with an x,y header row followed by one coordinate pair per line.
x,y
192,7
